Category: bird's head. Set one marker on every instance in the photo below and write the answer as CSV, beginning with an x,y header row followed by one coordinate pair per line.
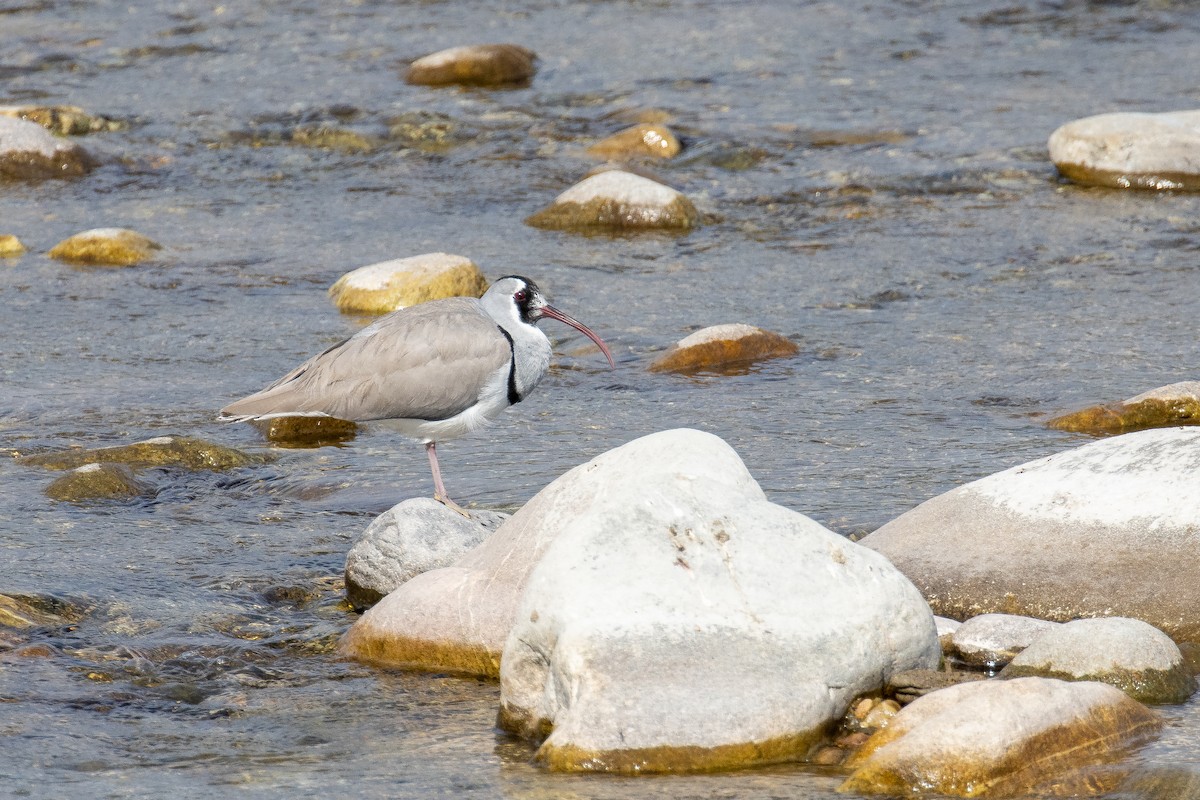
x,y
518,298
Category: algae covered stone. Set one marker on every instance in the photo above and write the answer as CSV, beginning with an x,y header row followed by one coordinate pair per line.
x,y
680,621
302,431
10,246
474,65
1173,404
618,200
30,152
646,139
63,120
1106,529
115,247
176,451
1131,150
1001,739
402,282
109,481
723,348
1137,658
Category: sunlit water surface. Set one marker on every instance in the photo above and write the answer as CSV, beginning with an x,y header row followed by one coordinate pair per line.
x,y
875,185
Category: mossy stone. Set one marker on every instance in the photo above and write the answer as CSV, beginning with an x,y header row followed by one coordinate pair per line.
x,y
10,246
63,120
176,451
98,482
616,200
306,431
327,137
474,65
391,285
655,141
115,247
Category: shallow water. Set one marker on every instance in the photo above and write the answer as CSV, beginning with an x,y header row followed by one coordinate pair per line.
x,y
875,185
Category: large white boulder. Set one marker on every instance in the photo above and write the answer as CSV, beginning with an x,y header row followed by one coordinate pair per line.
x,y
1106,529
679,620
1131,150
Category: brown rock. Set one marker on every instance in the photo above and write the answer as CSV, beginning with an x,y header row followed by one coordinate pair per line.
x,y
98,482
474,65
1000,739
910,684
724,348
655,141
115,247
617,200
29,152
63,120
1166,406
402,282
10,246
179,451
306,431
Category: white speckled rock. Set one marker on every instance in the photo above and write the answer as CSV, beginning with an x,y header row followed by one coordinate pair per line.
x,y
28,151
729,347
617,200
113,247
410,538
402,282
1001,739
1106,529
1131,150
1137,658
680,621
991,640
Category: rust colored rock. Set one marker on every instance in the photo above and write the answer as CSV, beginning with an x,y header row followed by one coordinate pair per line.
x,y
109,247
655,141
306,431
1164,407
402,282
474,65
722,347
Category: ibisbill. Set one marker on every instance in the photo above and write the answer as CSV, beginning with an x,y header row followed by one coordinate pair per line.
x,y
433,371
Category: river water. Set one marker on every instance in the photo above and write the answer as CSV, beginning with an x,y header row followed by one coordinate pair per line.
x,y
875,185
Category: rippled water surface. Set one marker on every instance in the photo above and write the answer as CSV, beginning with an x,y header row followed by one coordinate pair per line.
x,y
875,185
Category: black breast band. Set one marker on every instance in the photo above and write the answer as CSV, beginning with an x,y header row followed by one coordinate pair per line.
x,y
514,396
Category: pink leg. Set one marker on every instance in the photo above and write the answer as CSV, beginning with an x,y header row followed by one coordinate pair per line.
x,y
439,489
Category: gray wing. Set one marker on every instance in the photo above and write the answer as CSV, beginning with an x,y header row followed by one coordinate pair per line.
x,y
429,361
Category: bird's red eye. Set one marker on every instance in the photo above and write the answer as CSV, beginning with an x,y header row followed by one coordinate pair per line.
x,y
521,296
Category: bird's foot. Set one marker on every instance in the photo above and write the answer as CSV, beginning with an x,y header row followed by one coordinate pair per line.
x,y
450,504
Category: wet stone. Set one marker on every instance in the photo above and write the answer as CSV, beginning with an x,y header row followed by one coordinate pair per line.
x,y
724,347
617,200
10,246
63,120
30,152
1001,739
330,137
644,140
94,482
114,247
306,431
474,65
1137,658
427,131
1166,406
402,282
1131,150
176,451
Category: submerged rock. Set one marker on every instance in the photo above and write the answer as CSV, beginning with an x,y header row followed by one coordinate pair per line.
x,y
680,621
1137,658
306,431
10,246
410,538
30,152
176,451
617,200
1002,739
332,137
98,482
1166,406
402,282
1101,530
992,640
63,120
116,247
724,347
474,65
1131,150
646,139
